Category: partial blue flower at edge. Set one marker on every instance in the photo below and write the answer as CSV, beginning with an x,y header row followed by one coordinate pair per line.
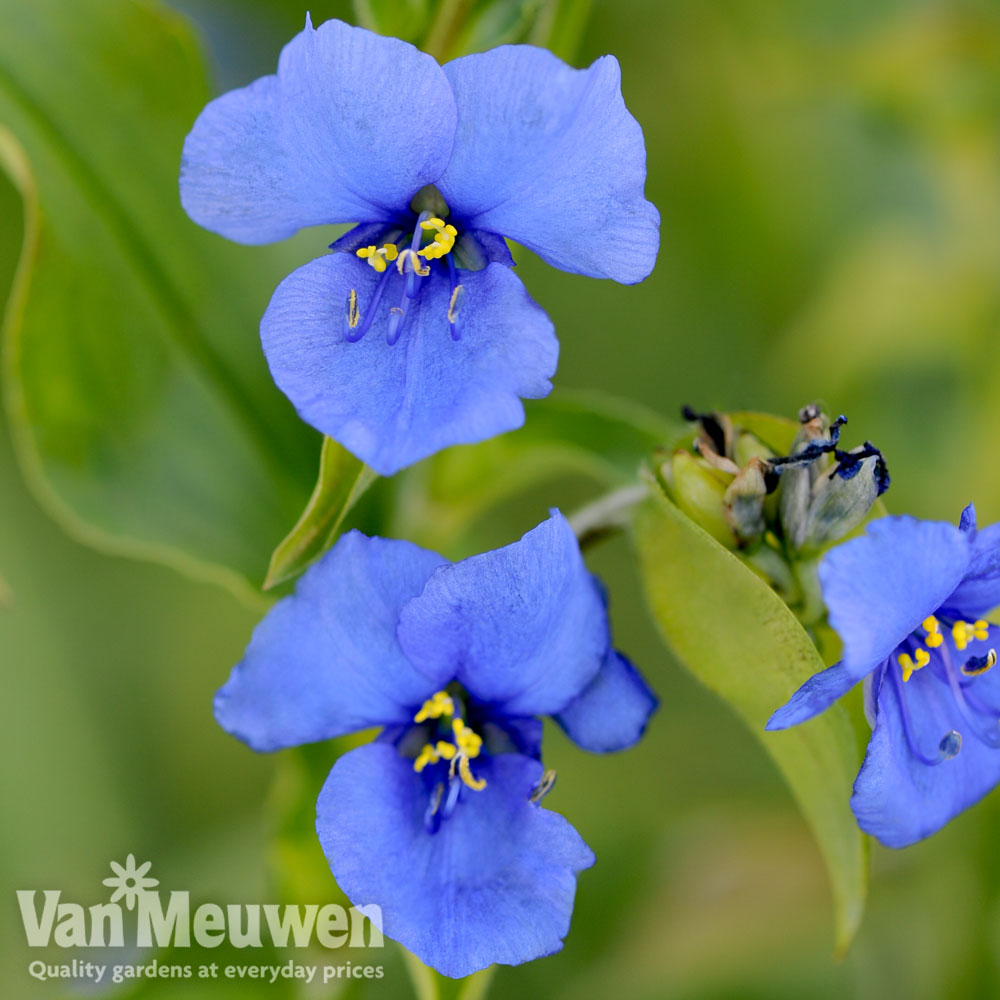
x,y
907,600
350,129
466,876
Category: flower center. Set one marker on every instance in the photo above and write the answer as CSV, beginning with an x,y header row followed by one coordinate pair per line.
x,y
962,633
979,717
412,263
442,242
463,744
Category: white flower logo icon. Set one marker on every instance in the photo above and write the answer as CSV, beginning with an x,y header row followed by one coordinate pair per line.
x,y
130,882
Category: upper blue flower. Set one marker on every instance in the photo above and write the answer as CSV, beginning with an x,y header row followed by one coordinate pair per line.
x,y
415,335
438,820
908,600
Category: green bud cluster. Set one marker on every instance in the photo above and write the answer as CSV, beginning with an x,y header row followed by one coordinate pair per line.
x,y
777,510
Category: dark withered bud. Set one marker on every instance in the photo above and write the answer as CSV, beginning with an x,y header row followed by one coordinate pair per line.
x,y
826,492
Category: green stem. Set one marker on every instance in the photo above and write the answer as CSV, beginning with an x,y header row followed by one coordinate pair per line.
x,y
443,28
477,985
424,980
607,514
813,608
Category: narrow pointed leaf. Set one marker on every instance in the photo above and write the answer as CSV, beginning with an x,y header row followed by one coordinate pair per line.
x,y
342,481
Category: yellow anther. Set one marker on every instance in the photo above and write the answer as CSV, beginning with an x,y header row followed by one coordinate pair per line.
x,y
933,629
377,256
431,755
426,756
465,772
353,316
466,747
444,238
438,704
469,742
908,665
456,298
964,632
415,264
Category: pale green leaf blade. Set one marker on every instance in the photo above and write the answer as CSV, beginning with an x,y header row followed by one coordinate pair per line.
x,y
342,481
730,629
144,416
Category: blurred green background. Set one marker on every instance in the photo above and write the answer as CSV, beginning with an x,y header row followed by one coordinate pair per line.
x,y
829,182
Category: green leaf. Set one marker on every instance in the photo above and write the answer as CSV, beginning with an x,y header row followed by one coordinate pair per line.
x,y
731,630
501,22
560,26
143,414
592,433
405,19
429,984
342,481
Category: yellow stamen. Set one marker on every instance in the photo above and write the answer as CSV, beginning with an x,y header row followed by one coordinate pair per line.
x,y
469,742
456,297
377,256
932,627
415,263
431,755
444,238
964,632
467,746
465,772
353,316
908,665
438,704
426,756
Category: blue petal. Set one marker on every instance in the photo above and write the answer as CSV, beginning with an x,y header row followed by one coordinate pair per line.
x,y
393,405
612,712
898,798
549,156
325,661
522,627
967,522
495,884
350,128
880,587
979,591
815,696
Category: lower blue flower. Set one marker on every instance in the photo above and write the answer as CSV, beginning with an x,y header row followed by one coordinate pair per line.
x,y
439,821
907,600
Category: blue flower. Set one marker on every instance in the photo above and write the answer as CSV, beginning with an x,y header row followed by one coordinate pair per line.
x,y
415,334
908,600
437,821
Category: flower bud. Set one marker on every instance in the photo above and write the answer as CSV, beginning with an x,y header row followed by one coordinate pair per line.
x,y
699,490
826,492
842,498
744,502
